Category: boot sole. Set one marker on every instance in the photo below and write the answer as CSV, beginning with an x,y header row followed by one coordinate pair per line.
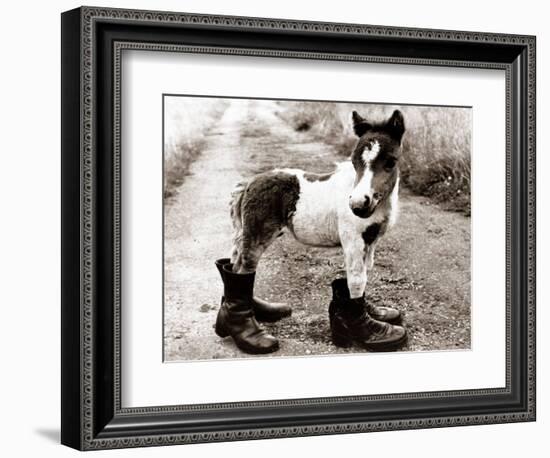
x,y
221,332
254,350
346,342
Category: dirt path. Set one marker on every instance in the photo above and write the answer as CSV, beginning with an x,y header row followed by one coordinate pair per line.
x,y
422,266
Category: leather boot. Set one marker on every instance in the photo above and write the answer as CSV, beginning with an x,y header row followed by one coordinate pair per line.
x,y
350,322
268,312
380,313
236,315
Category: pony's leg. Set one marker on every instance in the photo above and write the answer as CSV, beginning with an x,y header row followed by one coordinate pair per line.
x,y
370,255
253,245
380,313
353,320
248,259
236,220
257,220
356,266
236,244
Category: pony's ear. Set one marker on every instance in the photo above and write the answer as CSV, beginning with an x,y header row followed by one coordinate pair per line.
x,y
396,125
360,125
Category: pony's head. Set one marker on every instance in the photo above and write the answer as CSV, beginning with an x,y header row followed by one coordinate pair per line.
x,y
375,160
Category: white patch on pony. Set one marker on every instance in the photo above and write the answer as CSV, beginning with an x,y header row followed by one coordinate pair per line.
x,y
364,187
315,221
394,204
370,153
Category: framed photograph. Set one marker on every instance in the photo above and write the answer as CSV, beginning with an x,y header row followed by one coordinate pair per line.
x,y
276,228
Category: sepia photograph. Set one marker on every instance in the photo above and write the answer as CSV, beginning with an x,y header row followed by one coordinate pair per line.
x,y
296,228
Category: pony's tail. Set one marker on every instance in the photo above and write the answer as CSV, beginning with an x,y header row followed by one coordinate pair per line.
x,y
235,210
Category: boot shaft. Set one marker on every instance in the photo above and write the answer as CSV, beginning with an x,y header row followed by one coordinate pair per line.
x,y
219,265
340,288
237,287
341,296
342,303
263,310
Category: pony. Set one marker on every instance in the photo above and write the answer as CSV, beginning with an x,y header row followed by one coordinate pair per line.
x,y
351,207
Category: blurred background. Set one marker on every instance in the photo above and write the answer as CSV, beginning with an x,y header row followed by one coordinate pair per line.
x,y
187,120
436,146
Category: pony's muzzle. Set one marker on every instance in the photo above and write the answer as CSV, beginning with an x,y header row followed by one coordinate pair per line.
x,y
362,212
363,209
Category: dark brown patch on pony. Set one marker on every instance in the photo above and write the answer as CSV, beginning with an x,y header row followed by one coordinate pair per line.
x,y
268,203
387,134
267,206
394,126
371,233
312,177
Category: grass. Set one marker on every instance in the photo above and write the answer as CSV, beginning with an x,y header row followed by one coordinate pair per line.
x,y
188,121
176,164
436,145
328,122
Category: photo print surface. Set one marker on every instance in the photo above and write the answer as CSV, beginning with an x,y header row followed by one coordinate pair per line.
x,y
308,228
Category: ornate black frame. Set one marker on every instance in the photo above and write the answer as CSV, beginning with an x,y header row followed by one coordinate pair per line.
x,y
92,42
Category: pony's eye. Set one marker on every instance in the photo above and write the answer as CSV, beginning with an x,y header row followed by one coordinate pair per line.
x,y
389,164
